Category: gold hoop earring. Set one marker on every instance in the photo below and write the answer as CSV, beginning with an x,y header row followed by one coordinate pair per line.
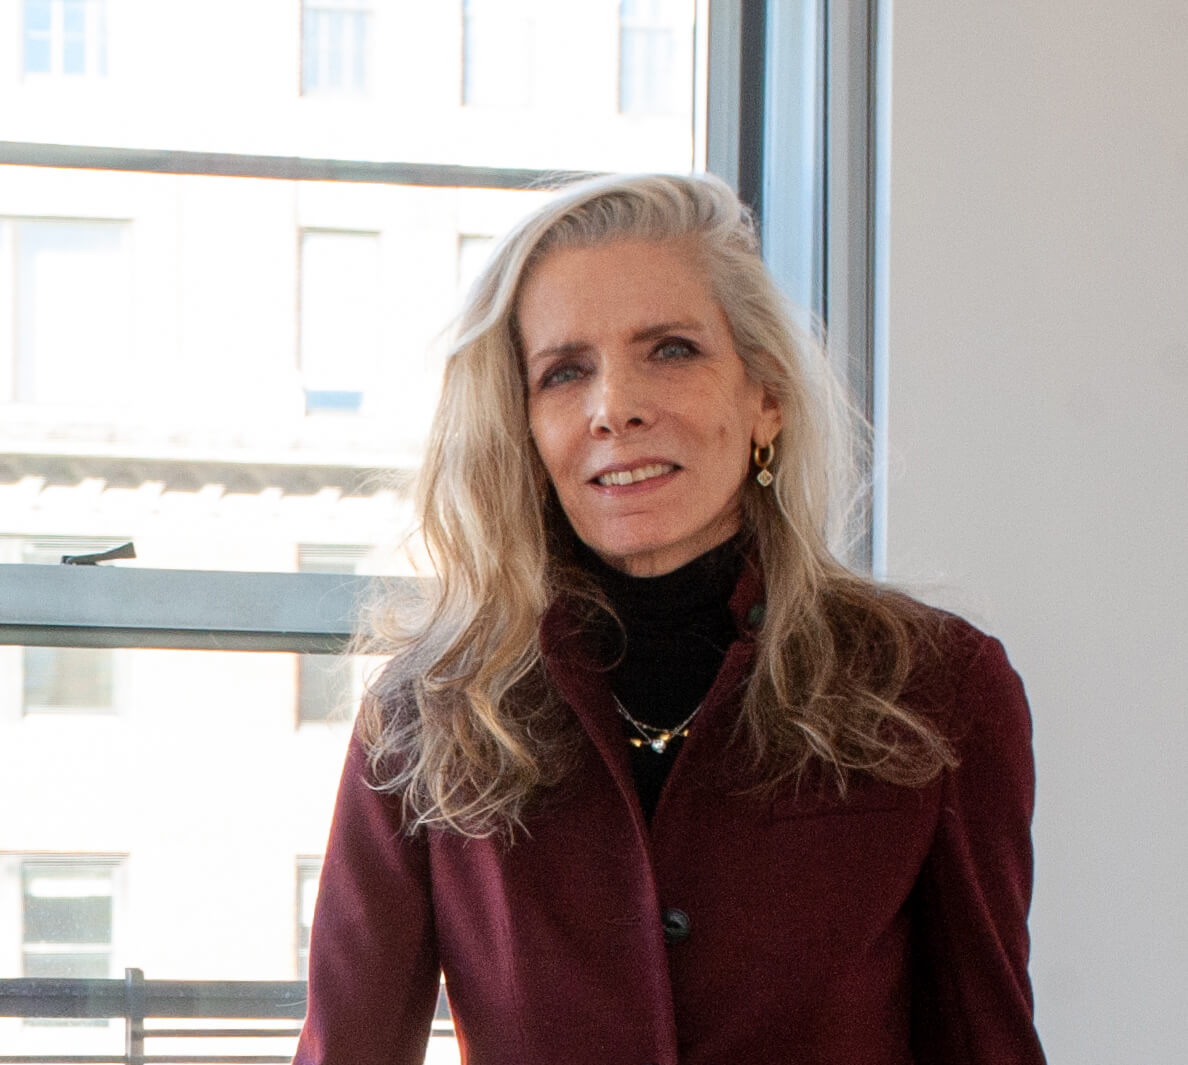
x,y
762,456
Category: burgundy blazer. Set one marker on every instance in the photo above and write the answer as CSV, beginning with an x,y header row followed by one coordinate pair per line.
x,y
888,928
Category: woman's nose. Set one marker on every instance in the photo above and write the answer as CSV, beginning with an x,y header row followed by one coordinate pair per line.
x,y
621,403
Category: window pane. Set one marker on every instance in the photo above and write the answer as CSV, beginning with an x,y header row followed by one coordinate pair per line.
x,y
65,37
655,43
37,16
497,54
311,57
473,252
37,54
340,317
72,307
74,17
324,687
68,678
519,83
68,966
67,926
74,36
213,367
37,37
219,408
68,920
336,39
208,793
358,35
308,871
67,916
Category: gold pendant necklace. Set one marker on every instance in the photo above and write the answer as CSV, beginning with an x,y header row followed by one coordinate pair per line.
x,y
655,738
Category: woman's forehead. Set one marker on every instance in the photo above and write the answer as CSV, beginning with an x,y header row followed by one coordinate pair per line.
x,y
618,281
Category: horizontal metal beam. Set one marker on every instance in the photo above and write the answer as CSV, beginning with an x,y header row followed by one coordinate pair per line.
x,y
281,167
110,606
189,999
146,1059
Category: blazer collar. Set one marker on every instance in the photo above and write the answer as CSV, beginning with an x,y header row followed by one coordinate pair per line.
x,y
581,680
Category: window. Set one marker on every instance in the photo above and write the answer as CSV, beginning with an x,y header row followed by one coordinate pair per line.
x,y
65,37
340,313
68,916
308,871
473,252
497,53
68,298
284,271
67,679
335,42
655,39
327,689
74,679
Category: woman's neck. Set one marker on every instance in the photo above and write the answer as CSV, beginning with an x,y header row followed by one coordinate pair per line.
x,y
675,631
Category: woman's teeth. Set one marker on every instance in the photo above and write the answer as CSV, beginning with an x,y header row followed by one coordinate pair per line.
x,y
644,473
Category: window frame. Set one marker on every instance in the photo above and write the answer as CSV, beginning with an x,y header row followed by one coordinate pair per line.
x,y
17,867
94,43
308,871
359,13
107,706
744,129
77,866
19,245
639,28
475,91
313,357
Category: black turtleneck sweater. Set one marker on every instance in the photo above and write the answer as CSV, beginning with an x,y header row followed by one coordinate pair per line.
x,y
677,629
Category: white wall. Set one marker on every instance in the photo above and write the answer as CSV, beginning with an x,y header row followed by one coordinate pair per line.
x,y
1038,434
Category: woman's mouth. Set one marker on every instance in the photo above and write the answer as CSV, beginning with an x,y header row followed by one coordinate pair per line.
x,y
640,473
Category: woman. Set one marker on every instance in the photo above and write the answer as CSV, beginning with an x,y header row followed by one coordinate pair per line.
x,y
651,776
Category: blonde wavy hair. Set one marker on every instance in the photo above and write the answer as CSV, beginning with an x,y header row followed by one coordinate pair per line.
x,y
461,722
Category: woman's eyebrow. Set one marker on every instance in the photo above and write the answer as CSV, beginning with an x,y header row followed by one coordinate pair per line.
x,y
650,332
569,347
654,332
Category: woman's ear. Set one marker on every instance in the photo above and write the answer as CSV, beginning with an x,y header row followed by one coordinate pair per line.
x,y
769,420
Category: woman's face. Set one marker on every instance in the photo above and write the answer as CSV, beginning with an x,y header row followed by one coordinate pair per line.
x,y
641,409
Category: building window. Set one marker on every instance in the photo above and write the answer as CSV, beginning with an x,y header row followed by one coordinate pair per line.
x,y
67,679
68,916
649,53
340,318
65,37
497,53
308,872
473,252
69,301
327,689
335,42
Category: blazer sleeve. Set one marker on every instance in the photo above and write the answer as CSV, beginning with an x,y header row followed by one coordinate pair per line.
x,y
971,995
373,968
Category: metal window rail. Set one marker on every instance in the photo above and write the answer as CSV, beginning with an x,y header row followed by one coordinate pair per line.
x,y
282,168
137,1000
114,606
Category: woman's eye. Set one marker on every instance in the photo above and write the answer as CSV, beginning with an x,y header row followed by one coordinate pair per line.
x,y
675,349
560,375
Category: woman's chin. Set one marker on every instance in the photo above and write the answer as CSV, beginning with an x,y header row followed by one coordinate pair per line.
x,y
651,558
